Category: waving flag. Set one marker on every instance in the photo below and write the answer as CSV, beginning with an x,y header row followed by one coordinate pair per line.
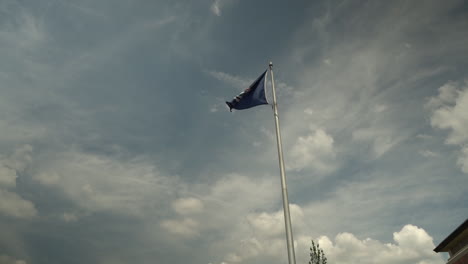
x,y
250,97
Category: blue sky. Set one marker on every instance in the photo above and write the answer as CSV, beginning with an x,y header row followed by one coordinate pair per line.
x,y
116,145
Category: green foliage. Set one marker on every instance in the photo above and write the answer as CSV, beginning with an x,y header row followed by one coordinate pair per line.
x,y
316,255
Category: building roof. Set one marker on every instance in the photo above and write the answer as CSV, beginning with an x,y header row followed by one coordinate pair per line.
x,y
442,246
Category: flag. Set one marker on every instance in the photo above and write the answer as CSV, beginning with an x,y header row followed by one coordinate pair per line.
x,y
250,97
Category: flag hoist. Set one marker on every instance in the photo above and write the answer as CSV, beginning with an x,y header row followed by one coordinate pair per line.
x,y
253,96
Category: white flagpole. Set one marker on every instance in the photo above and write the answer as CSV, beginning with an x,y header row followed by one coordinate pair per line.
x,y
287,216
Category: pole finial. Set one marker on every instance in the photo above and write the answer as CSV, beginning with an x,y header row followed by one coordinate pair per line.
x,y
271,64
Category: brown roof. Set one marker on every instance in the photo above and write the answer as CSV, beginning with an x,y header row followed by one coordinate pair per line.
x,y
453,235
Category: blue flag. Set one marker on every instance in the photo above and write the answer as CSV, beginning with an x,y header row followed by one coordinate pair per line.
x,y
250,97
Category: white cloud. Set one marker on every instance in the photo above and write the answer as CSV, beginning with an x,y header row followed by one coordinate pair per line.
x,y
382,140
220,104
428,153
28,33
233,80
262,236
19,159
13,128
463,159
308,111
239,194
449,112
424,136
227,207
132,186
233,258
4,259
447,95
265,239
380,108
69,217
282,89
101,183
49,178
412,245
216,7
272,224
12,204
214,108
313,151
31,31
186,227
85,10
186,206
268,133
97,182
7,176
365,87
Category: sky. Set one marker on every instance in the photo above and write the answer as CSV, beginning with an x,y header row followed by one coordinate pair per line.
x,y
116,145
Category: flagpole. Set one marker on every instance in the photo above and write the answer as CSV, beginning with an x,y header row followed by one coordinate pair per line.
x,y
287,216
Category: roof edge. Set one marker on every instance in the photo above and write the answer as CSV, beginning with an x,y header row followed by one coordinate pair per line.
x,y
450,237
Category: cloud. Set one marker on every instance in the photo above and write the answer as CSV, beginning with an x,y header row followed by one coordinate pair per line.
x,y
14,130
70,87
364,91
69,217
185,206
314,151
266,238
233,80
447,95
240,193
19,159
4,259
11,203
216,7
428,153
47,178
97,183
463,159
27,34
412,245
382,140
262,235
7,176
272,224
227,204
186,227
218,105
448,112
